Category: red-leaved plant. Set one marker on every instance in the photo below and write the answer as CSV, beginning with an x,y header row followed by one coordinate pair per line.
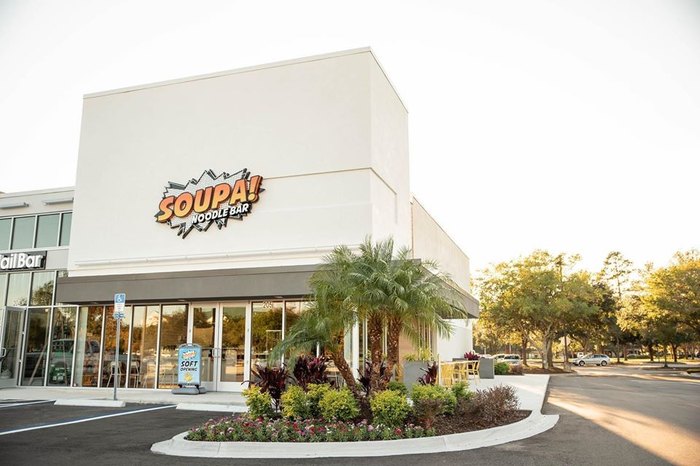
x,y
430,376
471,356
271,379
310,369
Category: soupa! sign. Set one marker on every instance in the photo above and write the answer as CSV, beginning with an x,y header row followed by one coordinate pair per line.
x,y
211,199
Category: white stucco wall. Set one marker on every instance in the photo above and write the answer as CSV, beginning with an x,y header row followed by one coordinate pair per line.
x,y
459,343
431,242
328,134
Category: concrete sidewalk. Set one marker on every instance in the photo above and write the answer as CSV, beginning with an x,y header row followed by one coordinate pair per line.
x,y
131,395
531,390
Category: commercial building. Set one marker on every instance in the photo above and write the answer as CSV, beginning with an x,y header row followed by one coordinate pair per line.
x,y
210,201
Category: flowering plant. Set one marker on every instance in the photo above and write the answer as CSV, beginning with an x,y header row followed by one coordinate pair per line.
x,y
246,429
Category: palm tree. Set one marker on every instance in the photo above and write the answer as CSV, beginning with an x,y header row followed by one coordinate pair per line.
x,y
387,290
330,315
403,295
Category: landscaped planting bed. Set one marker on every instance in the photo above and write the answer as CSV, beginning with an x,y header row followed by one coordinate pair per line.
x,y
319,412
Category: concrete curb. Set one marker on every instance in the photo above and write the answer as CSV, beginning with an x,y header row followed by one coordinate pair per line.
x,y
534,424
212,407
95,403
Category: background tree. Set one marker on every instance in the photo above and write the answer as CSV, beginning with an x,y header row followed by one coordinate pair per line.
x,y
539,295
676,290
500,291
616,274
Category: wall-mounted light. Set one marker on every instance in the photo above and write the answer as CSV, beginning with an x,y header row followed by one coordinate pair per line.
x,y
62,200
13,205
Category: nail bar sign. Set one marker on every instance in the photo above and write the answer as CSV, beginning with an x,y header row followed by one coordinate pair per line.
x,y
35,260
210,199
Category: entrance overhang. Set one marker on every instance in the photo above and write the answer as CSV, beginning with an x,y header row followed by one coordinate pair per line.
x,y
250,283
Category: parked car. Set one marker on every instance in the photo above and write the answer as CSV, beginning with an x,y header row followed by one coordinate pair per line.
x,y
592,359
512,359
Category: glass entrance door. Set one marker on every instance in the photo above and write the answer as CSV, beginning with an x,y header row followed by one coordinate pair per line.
x,y
11,323
204,325
222,330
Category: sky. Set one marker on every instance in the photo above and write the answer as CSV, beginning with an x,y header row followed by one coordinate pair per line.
x,y
567,126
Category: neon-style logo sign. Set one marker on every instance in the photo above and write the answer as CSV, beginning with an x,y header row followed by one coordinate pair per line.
x,y
211,199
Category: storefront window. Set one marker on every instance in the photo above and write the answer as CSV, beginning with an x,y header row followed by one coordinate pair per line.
x,y
292,311
232,343
109,365
42,288
18,289
65,229
35,349
144,341
23,234
62,344
47,230
266,330
87,358
173,333
5,227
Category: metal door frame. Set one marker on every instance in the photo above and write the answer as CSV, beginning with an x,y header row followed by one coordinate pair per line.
x,y
216,384
19,361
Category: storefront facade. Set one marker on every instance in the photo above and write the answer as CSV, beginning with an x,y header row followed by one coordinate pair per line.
x,y
210,201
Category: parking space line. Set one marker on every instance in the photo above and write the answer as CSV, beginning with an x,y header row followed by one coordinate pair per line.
x,y
78,421
24,403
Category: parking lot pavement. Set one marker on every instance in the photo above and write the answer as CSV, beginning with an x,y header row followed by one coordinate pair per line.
x,y
106,436
25,417
604,419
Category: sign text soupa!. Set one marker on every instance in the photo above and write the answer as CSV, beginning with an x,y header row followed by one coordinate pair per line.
x,y
209,199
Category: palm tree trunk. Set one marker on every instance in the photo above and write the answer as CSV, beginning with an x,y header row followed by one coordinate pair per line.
x,y
392,357
338,358
374,333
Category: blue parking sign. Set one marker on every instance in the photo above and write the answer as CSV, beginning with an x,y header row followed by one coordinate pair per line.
x,y
119,302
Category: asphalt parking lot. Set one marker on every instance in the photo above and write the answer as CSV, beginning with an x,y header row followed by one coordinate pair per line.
x,y
614,417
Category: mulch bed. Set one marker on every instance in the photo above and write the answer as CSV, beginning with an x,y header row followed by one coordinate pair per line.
x,y
445,425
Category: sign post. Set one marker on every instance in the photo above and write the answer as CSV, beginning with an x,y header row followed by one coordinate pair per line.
x,y
119,303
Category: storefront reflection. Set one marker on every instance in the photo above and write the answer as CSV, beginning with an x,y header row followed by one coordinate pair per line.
x,y
173,333
62,342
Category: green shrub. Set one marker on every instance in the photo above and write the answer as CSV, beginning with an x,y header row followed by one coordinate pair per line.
x,y
314,394
397,386
501,368
461,391
295,403
339,405
447,399
259,404
389,408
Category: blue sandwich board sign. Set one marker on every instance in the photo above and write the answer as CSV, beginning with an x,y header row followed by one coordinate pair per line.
x,y
189,363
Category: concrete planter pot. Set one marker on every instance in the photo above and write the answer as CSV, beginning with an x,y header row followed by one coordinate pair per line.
x,y
486,370
412,371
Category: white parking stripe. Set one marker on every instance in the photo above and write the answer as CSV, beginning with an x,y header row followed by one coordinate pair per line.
x,y
25,403
78,421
